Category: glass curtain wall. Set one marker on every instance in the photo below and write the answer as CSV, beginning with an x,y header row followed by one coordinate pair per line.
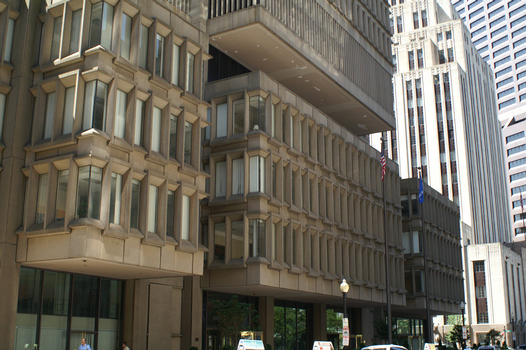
x,y
56,309
292,326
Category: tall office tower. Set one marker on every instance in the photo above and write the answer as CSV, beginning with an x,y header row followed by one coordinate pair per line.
x,y
498,31
447,118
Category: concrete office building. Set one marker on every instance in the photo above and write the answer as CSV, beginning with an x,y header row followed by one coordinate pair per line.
x,y
498,31
102,115
446,117
432,256
137,207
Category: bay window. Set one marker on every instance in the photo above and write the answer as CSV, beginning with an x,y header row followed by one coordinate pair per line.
x,y
139,118
176,51
8,49
238,117
50,115
173,137
188,130
222,120
89,192
257,237
153,198
220,179
143,46
126,28
115,198
219,242
101,25
257,113
170,214
257,174
74,39
95,100
236,235
62,191
55,38
185,218
190,61
120,113
41,198
135,204
69,113
238,176
159,55
156,129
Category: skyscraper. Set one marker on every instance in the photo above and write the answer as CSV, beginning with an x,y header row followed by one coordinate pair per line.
x,y
498,31
447,118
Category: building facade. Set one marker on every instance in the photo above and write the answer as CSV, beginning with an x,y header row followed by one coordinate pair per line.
x,y
498,31
446,135
101,175
432,255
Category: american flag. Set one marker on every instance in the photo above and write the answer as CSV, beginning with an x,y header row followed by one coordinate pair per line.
x,y
383,163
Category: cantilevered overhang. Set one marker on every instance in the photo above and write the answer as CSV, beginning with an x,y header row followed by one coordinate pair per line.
x,y
361,102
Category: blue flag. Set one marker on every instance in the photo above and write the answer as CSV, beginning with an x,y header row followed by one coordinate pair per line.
x,y
421,192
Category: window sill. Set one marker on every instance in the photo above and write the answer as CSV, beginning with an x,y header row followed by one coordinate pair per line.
x,y
93,133
296,270
84,222
258,260
191,97
124,64
121,144
160,82
156,157
46,145
187,246
153,239
115,231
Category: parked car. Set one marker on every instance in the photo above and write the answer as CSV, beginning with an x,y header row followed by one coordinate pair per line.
x,y
385,347
521,347
488,347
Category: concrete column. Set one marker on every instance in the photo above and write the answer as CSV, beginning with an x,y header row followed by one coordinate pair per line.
x,y
9,274
191,313
266,313
319,323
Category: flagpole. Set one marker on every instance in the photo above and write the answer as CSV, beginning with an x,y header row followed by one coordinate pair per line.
x,y
387,282
429,333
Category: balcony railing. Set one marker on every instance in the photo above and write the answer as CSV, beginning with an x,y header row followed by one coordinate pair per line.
x,y
328,36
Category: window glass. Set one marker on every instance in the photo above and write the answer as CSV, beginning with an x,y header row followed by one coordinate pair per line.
x,y
159,55
62,187
153,196
188,129
139,117
185,215
115,198
95,100
190,59
175,64
257,237
237,228
74,40
143,46
89,192
238,176
120,113
156,129
9,39
222,117
101,25
2,113
220,179
238,118
69,116
55,39
50,114
257,113
173,136
41,198
135,204
257,174
170,214
126,27
219,241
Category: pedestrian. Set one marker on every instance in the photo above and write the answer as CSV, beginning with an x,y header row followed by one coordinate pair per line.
x,y
83,345
124,346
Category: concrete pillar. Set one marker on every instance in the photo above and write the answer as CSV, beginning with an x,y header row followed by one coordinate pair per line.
x,y
319,323
9,273
192,313
266,313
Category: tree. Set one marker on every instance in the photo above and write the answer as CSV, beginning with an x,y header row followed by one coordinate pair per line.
x,y
455,335
493,335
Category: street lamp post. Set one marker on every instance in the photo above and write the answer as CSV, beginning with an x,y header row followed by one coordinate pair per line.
x,y
462,307
344,288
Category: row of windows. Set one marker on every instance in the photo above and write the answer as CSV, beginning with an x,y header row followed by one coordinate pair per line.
x,y
518,189
238,238
515,137
515,150
519,217
173,59
134,117
518,176
507,103
301,189
121,200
